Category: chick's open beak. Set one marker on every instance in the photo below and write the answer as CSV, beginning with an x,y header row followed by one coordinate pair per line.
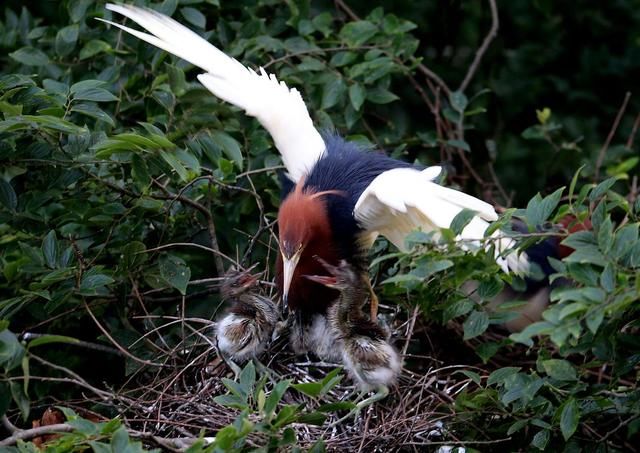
x,y
322,279
288,267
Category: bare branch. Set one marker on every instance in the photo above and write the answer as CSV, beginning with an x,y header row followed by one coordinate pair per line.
x,y
493,32
36,432
612,132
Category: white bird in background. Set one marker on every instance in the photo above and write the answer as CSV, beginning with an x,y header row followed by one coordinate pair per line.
x,y
342,196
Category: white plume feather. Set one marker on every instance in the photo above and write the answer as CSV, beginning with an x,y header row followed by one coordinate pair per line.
x,y
279,109
402,200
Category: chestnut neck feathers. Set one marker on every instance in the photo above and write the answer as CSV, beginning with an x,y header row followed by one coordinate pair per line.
x,y
303,219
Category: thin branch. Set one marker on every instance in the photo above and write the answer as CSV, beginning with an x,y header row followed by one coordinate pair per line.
x,y
210,223
493,32
36,432
80,343
612,132
341,4
114,342
8,425
634,130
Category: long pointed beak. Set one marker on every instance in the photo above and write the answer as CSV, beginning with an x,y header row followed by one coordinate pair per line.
x,y
289,267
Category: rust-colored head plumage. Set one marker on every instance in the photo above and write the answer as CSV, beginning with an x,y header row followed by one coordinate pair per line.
x,y
302,218
304,232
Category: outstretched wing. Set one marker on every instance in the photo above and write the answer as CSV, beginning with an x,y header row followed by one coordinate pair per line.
x,y
279,109
402,200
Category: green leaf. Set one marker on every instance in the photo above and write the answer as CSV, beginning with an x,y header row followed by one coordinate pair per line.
x,y
574,181
381,96
45,122
94,94
532,330
489,289
343,58
91,283
93,48
86,84
313,418
458,101
487,350
358,32
50,249
100,447
93,111
5,397
234,401
594,319
309,388
543,115
47,339
226,437
8,196
541,439
20,399
332,92
274,397
517,426
608,278
540,209
175,272
248,377
569,418
475,324
402,278
459,144
120,440
560,369
172,160
78,8
11,351
194,17
602,188
30,56
287,415
357,94
458,308
475,377
605,235
622,168
502,374
461,220
229,146
66,39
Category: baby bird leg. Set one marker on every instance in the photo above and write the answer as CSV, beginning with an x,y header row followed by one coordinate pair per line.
x,y
374,300
381,392
233,366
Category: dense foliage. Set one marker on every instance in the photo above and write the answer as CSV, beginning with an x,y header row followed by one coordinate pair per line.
x,y
126,188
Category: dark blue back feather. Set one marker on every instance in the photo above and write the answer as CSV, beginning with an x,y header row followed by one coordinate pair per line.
x,y
350,168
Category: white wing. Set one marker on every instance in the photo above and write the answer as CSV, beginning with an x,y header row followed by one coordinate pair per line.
x,y
279,109
402,200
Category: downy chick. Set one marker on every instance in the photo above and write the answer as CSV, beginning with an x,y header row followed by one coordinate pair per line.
x,y
366,354
244,332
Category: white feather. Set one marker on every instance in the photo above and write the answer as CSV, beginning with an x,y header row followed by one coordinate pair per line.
x,y
402,200
279,109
